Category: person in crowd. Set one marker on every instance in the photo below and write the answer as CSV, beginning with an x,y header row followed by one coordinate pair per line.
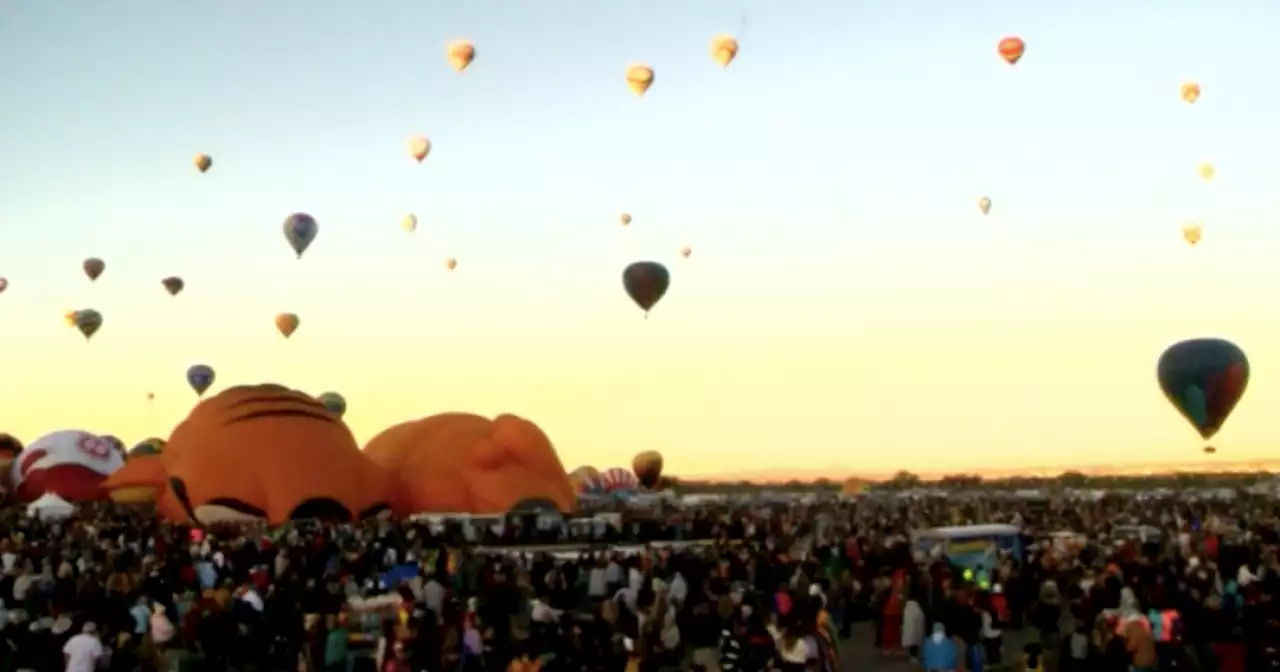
x,y
940,653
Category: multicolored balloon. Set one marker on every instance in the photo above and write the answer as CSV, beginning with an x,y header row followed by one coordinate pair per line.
x,y
203,162
647,467
334,402
88,321
173,284
300,230
93,267
646,282
200,377
617,480
1204,378
1190,92
1011,49
287,323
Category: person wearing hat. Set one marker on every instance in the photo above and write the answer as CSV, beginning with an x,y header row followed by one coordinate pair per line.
x,y
940,653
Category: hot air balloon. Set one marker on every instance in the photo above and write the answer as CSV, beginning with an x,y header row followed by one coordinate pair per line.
x,y
587,471
1190,92
409,223
286,324
646,282
300,229
419,148
93,267
460,54
588,485
151,396
173,285
639,78
723,49
203,162
618,481
625,219
1204,378
450,264
1011,49
200,377
686,251
647,466
4,284
334,402
88,321
152,446
69,317
1191,234
984,204
1207,171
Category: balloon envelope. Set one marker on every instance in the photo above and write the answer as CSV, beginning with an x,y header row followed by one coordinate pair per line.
x,y
1191,92
646,283
203,162
1204,379
984,204
647,466
334,402
1011,49
409,223
625,219
93,267
639,78
287,323
88,321
173,285
1191,233
200,377
723,49
419,148
300,229
460,54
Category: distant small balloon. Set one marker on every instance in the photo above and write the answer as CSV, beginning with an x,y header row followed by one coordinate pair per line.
x,y
450,263
625,219
69,317
1207,171
287,323
93,267
460,54
151,396
88,321
1011,49
409,223
200,377
300,230
639,79
724,48
686,251
4,284
984,204
1191,234
173,284
1190,92
203,162
419,148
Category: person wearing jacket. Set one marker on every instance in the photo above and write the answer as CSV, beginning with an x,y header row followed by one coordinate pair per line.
x,y
940,653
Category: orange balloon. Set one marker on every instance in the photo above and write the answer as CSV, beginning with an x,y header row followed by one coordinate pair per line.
x,y
1011,49
287,323
450,263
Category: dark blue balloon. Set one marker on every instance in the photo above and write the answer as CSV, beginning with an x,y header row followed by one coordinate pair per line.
x,y
200,377
1204,378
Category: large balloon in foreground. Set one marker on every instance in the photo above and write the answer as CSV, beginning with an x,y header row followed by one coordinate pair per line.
x,y
646,282
1011,49
1204,378
93,267
984,204
409,223
88,321
334,403
639,78
203,162
1191,92
1191,233
419,148
723,49
287,323
648,468
300,229
460,54
173,285
200,377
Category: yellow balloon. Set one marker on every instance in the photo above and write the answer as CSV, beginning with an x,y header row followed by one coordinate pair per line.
x,y
287,323
639,78
1191,233
1190,92
1207,171
419,148
723,49
460,54
409,223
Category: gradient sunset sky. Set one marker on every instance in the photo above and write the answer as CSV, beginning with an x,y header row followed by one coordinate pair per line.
x,y
846,307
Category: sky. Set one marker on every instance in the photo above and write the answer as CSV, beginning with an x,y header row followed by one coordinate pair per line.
x,y
846,308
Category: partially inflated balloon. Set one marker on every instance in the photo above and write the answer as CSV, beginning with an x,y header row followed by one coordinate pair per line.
x,y
334,402
88,321
648,468
173,285
723,49
460,54
203,162
1191,92
1191,233
1204,379
419,148
200,377
300,229
639,78
93,267
287,323
646,282
1011,49
409,223
984,204
625,219
1207,171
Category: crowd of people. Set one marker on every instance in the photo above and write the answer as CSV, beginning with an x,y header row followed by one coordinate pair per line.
x,y
718,586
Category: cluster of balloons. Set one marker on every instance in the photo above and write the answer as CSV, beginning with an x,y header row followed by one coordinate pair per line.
x,y
645,474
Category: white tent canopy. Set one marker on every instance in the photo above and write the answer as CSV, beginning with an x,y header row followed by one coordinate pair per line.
x,y
51,507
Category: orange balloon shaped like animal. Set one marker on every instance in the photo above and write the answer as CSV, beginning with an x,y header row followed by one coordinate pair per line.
x,y
465,463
